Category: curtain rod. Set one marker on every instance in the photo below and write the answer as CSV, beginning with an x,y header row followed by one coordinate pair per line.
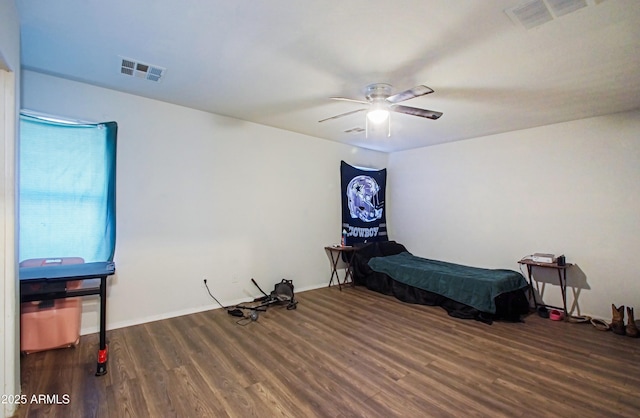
x,y
55,118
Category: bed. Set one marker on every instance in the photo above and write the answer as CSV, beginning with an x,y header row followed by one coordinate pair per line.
x,y
463,291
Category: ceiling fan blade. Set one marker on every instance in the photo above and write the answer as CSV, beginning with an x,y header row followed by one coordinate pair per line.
x,y
409,94
414,111
344,99
342,114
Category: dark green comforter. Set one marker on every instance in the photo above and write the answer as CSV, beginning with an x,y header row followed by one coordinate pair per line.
x,y
473,286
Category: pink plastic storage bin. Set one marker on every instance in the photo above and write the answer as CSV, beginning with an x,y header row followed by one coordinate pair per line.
x,y
46,328
57,326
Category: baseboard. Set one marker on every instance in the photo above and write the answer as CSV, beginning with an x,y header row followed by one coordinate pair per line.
x,y
166,315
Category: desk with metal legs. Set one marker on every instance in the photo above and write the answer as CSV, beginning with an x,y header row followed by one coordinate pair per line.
x,y
49,283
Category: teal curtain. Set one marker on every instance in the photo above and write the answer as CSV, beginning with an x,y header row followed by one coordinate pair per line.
x,y
67,181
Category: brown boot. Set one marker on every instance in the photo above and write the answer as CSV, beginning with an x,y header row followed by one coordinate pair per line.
x,y
631,329
617,322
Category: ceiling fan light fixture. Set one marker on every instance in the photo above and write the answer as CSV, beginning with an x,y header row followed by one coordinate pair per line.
x,y
381,103
378,116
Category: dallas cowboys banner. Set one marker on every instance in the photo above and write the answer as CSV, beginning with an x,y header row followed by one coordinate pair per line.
x,y
363,194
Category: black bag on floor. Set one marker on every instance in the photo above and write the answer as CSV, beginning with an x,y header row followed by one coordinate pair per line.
x,y
283,292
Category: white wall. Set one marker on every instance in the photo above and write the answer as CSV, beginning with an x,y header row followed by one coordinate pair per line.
x,y
9,102
201,195
571,188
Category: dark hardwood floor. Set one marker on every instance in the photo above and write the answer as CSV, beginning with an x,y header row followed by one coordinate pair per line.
x,y
341,354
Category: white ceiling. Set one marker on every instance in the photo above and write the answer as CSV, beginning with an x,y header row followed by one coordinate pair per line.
x,y
277,62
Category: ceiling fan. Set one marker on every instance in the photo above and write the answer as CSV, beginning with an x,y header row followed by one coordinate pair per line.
x,y
381,102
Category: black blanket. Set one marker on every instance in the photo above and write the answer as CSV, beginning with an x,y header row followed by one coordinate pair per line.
x,y
509,306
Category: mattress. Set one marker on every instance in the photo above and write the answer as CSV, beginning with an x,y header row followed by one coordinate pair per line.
x,y
472,286
509,305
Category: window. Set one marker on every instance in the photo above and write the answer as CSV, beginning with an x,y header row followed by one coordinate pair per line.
x,y
67,189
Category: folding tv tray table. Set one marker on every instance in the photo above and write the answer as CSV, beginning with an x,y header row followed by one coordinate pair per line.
x,y
335,252
49,283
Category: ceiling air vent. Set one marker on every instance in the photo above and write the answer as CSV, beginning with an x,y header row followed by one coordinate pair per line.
x,y
354,130
562,7
532,13
141,70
